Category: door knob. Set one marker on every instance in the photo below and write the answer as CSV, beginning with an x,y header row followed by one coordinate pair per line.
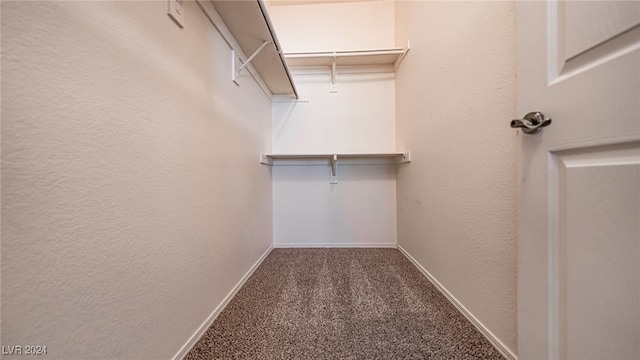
x,y
532,123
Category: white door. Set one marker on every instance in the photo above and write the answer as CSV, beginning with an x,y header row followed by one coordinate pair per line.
x,y
579,180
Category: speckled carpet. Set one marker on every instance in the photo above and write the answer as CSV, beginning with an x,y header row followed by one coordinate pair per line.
x,y
340,304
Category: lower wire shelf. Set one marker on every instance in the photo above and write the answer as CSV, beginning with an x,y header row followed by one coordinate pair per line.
x,y
333,159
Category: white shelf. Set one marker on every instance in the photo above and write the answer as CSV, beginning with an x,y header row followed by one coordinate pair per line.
x,y
250,25
386,59
400,156
246,26
333,159
391,57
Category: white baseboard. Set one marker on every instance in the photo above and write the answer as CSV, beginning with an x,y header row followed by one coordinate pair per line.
x,y
334,245
203,328
499,345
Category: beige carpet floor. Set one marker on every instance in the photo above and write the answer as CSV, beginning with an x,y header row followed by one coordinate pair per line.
x,y
340,304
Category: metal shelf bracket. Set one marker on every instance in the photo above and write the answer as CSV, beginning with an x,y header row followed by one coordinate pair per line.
x,y
266,160
398,61
235,69
334,169
333,88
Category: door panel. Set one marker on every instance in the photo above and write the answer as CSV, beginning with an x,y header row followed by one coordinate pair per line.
x,y
588,24
597,299
584,34
579,180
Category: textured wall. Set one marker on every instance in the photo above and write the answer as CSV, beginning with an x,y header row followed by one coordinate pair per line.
x,y
132,198
455,95
359,118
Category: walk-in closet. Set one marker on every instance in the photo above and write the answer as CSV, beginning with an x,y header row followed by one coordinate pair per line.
x,y
291,179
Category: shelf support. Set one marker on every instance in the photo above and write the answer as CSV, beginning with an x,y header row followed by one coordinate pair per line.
x,y
235,73
401,57
333,88
266,160
405,158
334,169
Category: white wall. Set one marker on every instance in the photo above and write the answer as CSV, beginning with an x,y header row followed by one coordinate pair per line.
x,y
455,96
357,25
359,118
132,199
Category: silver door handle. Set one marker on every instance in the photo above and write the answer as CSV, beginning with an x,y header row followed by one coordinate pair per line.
x,y
532,123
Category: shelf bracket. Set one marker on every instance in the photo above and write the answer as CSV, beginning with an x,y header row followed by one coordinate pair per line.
x,y
334,169
235,72
405,158
401,57
266,160
333,88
